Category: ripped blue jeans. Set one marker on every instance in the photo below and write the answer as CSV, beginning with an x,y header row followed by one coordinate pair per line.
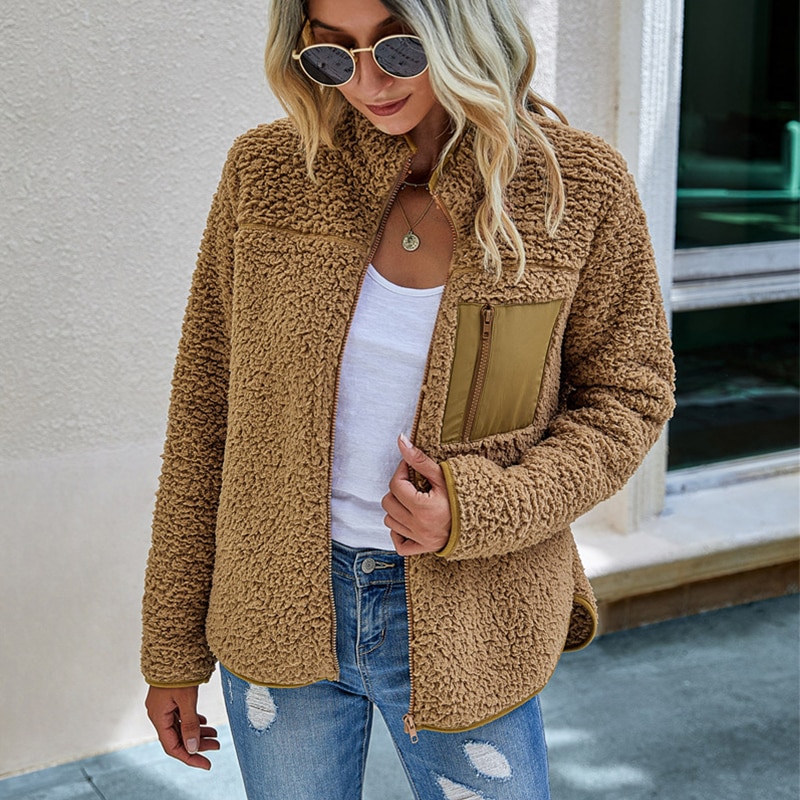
x,y
311,742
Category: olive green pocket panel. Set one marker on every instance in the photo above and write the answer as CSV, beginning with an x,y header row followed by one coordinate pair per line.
x,y
468,342
497,369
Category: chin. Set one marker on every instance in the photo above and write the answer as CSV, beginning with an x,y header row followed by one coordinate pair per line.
x,y
390,125
391,130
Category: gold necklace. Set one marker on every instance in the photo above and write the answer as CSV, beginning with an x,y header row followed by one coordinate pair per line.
x,y
411,240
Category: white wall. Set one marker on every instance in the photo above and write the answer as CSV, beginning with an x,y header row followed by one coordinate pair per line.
x,y
577,47
114,123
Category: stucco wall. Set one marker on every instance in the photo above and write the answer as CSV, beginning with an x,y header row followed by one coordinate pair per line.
x,y
578,60
115,122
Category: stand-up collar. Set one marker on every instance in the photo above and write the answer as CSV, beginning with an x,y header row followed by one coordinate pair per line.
x,y
376,160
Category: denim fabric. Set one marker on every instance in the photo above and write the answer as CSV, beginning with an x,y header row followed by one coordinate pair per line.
x,y
310,743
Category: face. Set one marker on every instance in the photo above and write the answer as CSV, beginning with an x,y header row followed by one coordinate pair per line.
x,y
393,105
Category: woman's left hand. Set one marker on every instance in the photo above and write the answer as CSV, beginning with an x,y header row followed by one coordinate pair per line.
x,y
419,521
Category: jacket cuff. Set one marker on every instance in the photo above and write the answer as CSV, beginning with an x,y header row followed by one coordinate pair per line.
x,y
455,514
184,685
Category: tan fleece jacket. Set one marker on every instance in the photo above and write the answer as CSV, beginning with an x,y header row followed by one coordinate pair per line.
x,y
541,398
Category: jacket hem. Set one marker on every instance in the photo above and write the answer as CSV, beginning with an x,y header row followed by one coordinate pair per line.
x,y
480,723
276,685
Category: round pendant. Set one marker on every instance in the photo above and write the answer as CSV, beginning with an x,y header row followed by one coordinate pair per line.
x,y
410,242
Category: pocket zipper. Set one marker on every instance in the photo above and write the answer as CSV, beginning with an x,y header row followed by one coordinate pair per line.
x,y
479,373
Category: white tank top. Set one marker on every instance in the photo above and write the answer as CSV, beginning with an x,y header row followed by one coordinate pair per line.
x,y
381,375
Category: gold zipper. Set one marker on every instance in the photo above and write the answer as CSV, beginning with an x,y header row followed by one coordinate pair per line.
x,y
479,374
375,242
408,720
409,726
386,209
416,479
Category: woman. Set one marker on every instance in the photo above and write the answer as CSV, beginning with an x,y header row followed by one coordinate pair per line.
x,y
418,254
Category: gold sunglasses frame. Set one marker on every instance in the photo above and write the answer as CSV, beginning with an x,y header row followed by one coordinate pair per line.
x,y
352,51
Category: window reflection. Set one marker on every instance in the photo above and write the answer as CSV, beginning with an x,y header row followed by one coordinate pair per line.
x,y
739,156
737,383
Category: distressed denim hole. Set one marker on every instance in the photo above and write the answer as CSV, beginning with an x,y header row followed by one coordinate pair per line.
x,y
261,710
457,791
488,760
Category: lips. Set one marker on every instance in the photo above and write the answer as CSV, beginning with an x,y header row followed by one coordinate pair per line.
x,y
387,109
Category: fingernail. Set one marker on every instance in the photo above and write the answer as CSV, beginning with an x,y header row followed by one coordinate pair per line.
x,y
405,440
191,745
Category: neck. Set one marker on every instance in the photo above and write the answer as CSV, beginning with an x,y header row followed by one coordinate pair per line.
x,y
429,138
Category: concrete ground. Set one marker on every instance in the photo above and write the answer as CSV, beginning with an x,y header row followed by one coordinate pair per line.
x,y
702,708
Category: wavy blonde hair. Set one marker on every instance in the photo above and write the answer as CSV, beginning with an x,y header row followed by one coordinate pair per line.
x,y
482,59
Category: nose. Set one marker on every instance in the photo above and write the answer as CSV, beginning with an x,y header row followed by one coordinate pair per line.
x,y
370,77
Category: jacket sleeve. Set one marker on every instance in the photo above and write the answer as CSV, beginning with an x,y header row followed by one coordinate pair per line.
x,y
178,577
616,395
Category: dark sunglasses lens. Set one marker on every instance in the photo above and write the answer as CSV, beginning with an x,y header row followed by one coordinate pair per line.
x,y
401,56
329,65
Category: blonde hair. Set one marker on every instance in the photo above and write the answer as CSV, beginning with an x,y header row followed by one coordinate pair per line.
x,y
482,59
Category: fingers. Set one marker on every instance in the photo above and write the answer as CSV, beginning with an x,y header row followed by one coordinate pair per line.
x,y
208,739
408,547
398,516
419,521
420,462
181,730
403,521
402,487
208,735
189,723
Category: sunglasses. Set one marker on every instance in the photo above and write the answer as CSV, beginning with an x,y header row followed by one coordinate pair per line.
x,y
400,56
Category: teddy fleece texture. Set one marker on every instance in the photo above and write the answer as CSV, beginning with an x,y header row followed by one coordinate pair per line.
x,y
239,568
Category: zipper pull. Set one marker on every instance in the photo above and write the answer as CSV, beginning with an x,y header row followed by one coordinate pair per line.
x,y
487,314
410,728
